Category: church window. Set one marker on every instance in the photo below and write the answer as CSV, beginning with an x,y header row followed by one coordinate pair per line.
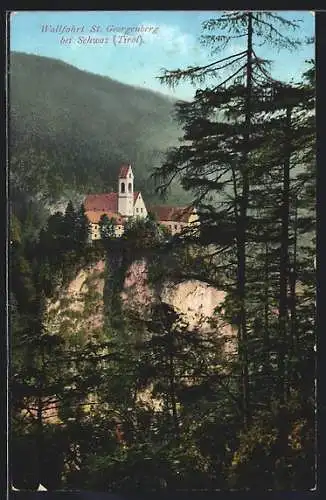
x,y
129,187
141,210
137,210
123,188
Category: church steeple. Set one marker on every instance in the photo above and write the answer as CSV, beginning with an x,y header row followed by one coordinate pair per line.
x,y
126,191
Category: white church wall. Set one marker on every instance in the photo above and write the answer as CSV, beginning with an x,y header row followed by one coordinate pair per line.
x,y
140,207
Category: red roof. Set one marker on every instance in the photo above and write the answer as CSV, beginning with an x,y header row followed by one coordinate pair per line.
x,y
168,213
107,202
95,216
124,171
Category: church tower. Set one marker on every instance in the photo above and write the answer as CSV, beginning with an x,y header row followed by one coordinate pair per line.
x,y
126,191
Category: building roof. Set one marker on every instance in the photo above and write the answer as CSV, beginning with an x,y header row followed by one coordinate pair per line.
x,y
169,213
95,216
124,171
106,202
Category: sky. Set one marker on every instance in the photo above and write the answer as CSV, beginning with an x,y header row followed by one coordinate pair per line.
x,y
170,42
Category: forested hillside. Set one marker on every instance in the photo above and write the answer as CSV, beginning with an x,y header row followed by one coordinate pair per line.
x,y
70,129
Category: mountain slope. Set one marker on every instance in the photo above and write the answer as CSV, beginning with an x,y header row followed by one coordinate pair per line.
x,y
72,129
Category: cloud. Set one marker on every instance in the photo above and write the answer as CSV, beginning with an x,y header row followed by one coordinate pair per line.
x,y
170,37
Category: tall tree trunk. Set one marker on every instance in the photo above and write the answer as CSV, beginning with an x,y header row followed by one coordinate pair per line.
x,y
242,230
173,399
40,438
284,266
39,418
293,299
266,313
116,266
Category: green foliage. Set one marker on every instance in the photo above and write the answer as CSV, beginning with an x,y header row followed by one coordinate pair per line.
x,y
107,227
81,228
15,230
142,232
248,160
258,458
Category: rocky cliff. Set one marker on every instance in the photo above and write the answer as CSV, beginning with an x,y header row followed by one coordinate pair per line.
x,y
80,306
195,301
79,310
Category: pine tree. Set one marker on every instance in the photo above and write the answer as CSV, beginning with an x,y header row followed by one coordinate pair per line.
x,y
82,228
69,224
223,124
107,228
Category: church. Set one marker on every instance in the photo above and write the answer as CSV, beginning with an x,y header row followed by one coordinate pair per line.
x,y
126,203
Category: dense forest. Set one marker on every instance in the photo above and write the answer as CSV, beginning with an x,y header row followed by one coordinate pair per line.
x,y
70,130
146,401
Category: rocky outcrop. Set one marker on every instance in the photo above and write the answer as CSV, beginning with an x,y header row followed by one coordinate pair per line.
x,y
81,305
79,310
137,294
199,305
196,302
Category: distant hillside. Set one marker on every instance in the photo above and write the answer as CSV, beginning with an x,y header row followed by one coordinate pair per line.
x,y
70,129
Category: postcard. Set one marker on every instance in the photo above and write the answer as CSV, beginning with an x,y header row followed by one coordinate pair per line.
x,y
162,243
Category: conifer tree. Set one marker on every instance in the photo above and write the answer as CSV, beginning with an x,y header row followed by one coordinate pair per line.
x,y
223,126
107,229
69,225
82,228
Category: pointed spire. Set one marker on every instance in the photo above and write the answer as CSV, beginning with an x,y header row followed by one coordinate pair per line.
x,y
124,170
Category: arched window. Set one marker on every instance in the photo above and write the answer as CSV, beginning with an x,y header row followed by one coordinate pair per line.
x,y
129,187
123,188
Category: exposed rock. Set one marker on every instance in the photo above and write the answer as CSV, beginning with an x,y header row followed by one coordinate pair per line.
x,y
136,291
80,305
80,308
197,304
195,301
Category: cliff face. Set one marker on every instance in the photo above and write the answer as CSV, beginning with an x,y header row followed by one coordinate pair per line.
x,y
195,301
79,310
137,294
80,306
